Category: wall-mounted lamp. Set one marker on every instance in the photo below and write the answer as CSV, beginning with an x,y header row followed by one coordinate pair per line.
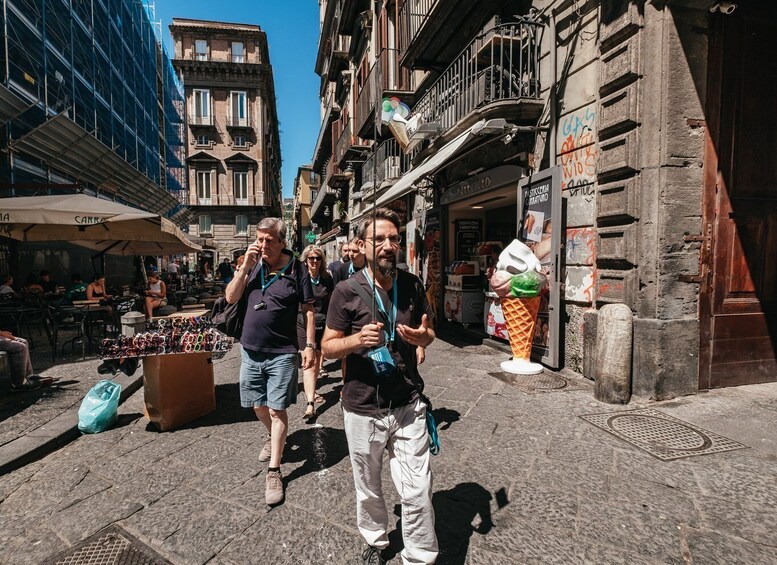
x,y
723,7
327,212
348,172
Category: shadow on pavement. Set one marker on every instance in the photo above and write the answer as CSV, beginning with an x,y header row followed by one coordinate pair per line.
x,y
445,417
318,448
12,403
459,512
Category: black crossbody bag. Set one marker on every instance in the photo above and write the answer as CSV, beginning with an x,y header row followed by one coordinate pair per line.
x,y
228,318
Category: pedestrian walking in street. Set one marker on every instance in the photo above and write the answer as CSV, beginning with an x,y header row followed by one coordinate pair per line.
x,y
357,261
225,271
275,286
345,257
382,407
320,279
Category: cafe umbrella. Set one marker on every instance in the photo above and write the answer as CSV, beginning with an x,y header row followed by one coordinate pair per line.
x,y
102,225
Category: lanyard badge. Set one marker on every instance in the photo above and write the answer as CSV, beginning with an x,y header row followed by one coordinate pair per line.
x,y
382,360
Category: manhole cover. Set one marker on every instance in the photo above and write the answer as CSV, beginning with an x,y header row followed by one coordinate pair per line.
x,y
544,382
109,546
661,435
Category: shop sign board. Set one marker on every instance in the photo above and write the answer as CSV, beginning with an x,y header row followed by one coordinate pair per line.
x,y
539,227
311,237
482,182
468,234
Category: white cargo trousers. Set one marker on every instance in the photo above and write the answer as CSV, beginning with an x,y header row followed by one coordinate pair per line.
x,y
403,430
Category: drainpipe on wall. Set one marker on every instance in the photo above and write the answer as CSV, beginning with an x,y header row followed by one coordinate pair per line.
x,y
553,88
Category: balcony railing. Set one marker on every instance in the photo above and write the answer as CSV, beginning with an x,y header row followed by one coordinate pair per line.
x,y
413,15
499,65
343,143
201,120
387,163
233,122
386,74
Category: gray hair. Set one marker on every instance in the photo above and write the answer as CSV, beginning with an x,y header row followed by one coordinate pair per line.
x,y
313,249
275,225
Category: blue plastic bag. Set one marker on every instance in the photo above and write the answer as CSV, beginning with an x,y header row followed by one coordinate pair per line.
x,y
100,408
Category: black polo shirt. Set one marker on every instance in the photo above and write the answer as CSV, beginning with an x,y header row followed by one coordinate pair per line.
x,y
363,392
273,327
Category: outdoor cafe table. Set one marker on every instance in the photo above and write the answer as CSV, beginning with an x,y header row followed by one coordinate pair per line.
x,y
84,311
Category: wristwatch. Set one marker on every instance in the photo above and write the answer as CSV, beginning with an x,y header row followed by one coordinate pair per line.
x,y
310,345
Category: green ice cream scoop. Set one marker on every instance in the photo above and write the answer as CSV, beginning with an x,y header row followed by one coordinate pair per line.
x,y
525,285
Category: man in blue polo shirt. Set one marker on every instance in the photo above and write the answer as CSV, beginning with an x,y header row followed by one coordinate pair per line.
x,y
277,287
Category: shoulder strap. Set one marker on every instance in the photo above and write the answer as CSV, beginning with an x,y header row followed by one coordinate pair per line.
x,y
366,298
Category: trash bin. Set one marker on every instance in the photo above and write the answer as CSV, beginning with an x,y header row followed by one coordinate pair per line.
x,y
132,323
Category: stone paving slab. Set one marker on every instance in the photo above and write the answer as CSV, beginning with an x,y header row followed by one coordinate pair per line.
x,y
521,479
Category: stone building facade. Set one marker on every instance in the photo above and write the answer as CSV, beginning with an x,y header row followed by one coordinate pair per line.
x,y
657,118
233,148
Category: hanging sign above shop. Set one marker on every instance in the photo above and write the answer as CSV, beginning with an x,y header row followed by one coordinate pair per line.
x,y
482,182
539,227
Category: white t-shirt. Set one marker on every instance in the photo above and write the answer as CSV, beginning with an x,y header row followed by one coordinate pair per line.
x,y
172,268
5,289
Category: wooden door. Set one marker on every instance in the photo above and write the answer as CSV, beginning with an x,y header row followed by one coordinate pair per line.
x,y
738,308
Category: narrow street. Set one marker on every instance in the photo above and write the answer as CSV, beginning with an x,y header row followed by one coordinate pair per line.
x,y
521,479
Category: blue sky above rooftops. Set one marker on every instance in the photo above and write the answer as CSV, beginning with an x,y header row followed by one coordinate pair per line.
x,y
292,33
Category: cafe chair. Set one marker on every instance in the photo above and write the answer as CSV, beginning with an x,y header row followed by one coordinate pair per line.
x,y
70,319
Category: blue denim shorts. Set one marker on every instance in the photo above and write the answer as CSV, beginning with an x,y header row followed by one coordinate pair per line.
x,y
268,379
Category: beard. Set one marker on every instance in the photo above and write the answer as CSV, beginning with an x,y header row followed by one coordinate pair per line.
x,y
387,266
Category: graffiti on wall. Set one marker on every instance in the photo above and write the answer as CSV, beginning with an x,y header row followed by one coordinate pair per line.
x,y
581,246
578,152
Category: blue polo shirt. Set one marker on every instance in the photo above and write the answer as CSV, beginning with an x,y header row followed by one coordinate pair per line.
x,y
270,323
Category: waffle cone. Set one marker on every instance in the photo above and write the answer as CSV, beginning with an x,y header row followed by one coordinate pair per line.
x,y
520,316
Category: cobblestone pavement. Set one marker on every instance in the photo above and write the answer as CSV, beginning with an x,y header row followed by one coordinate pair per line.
x,y
521,479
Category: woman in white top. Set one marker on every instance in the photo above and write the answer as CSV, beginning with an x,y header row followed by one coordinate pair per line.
x,y
155,295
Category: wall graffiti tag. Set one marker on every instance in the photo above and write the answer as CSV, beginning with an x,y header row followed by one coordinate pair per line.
x,y
578,152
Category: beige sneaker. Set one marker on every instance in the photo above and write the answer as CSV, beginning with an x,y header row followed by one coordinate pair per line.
x,y
273,492
264,455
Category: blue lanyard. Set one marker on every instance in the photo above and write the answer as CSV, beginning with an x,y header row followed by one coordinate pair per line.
x,y
379,303
316,280
351,270
272,280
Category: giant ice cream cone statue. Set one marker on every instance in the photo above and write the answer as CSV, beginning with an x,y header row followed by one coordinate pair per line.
x,y
517,281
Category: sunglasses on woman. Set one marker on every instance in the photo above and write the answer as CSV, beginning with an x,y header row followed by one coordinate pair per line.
x,y
314,258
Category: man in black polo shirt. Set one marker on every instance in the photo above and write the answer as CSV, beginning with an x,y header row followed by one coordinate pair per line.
x,y
276,289
356,264
381,406
345,258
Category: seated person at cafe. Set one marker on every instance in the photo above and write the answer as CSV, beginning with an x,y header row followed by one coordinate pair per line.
x,y
31,285
96,289
156,294
77,289
48,285
6,289
22,377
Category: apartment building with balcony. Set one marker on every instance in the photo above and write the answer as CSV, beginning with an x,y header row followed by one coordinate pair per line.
x,y
232,145
306,186
630,110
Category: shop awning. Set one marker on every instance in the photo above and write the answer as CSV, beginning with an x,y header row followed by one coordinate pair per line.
x,y
11,105
66,146
496,126
429,166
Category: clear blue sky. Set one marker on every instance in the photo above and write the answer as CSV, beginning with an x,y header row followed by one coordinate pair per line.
x,y
292,33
